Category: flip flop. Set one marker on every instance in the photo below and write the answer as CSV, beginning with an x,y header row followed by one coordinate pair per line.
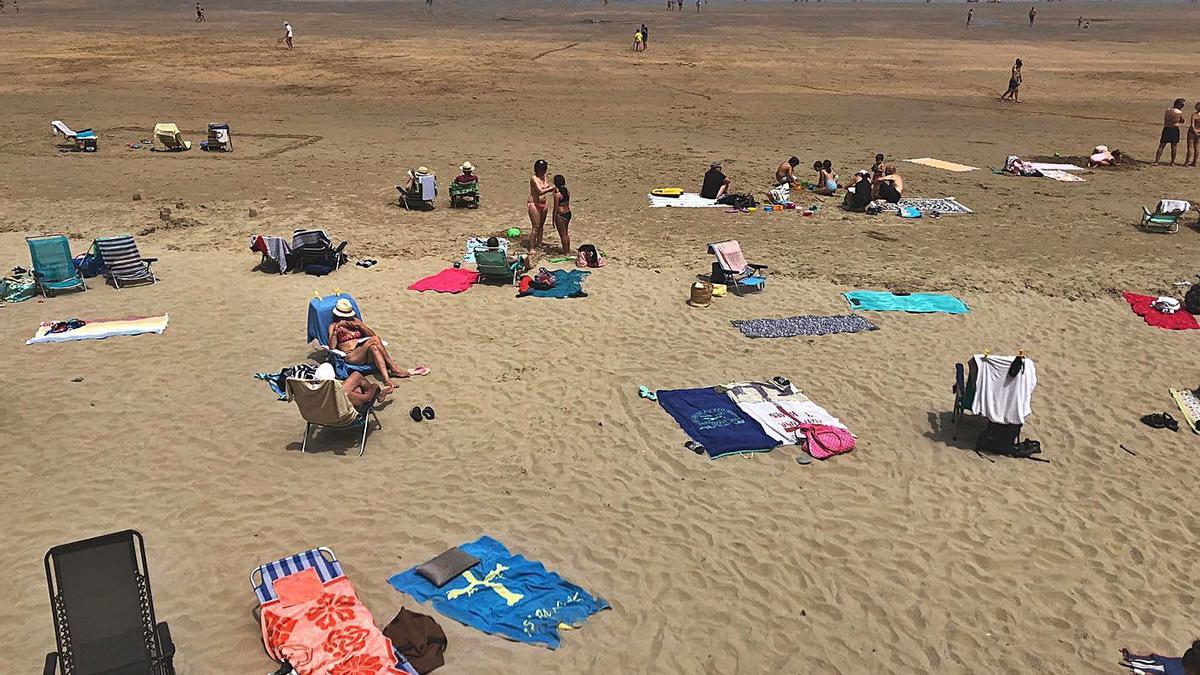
x,y
803,459
694,447
645,393
1160,421
419,370
415,413
427,412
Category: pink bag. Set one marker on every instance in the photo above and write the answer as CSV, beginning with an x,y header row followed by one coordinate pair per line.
x,y
822,441
589,256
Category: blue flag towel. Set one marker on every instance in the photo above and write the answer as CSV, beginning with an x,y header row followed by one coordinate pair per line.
x,y
506,595
714,421
921,303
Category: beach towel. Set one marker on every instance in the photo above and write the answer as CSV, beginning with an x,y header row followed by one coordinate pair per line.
x,y
803,325
1050,166
942,164
715,422
784,412
274,248
1143,307
449,280
276,381
506,595
567,284
480,244
920,303
321,628
102,328
942,205
687,200
1061,176
1153,664
1189,405
18,287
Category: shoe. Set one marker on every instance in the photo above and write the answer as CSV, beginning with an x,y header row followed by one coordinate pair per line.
x,y
415,413
427,412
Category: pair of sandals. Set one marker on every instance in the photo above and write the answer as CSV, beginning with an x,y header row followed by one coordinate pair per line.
x,y
1160,421
418,413
366,262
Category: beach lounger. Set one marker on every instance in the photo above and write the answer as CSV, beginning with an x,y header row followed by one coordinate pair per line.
x,y
53,268
124,265
104,622
323,403
464,194
492,263
171,138
731,268
315,253
320,316
83,140
218,139
1165,217
279,624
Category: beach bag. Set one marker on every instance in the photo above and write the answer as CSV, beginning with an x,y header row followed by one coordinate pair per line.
x,y
89,265
823,441
589,256
781,194
544,280
909,211
1191,301
738,201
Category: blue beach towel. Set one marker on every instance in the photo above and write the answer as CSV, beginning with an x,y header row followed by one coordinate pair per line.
x,y
921,303
567,284
714,421
506,595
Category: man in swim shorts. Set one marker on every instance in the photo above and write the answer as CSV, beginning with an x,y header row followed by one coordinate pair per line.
x,y
1172,121
786,173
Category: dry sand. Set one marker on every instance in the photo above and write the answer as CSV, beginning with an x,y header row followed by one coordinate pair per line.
x,y
910,555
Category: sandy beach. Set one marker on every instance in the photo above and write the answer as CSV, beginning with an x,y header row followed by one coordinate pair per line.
x,y
912,554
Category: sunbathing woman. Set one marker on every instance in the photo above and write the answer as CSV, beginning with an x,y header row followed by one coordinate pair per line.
x,y
562,212
350,335
539,187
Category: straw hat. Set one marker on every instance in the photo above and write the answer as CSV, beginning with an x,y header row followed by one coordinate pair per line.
x,y
466,167
701,294
422,171
343,309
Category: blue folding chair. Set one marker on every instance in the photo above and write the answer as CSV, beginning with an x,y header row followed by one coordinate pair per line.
x,y
53,267
320,317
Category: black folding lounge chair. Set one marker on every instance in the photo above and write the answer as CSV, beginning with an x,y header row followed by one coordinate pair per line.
x,y
315,248
103,612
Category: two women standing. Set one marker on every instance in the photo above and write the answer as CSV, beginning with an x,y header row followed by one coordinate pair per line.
x,y
548,197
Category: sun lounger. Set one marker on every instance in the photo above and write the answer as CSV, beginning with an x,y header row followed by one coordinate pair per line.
x,y
53,267
83,140
103,610
323,403
1165,217
171,138
731,268
492,263
218,139
296,626
314,252
124,264
320,317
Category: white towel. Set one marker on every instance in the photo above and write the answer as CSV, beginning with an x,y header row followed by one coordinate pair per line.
x,y
687,200
1173,206
1047,166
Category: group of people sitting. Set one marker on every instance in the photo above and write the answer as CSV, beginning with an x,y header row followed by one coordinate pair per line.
x,y
465,188
880,183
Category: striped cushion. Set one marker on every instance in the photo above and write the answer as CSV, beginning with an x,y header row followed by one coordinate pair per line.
x,y
122,258
311,559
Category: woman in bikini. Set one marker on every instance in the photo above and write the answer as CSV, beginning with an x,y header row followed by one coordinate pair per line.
x,y
349,334
1193,139
562,212
539,187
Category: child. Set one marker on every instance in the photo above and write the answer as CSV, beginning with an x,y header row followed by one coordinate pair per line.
x,y
562,212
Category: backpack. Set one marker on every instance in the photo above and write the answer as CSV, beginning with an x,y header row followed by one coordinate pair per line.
x,y
738,201
589,256
89,265
544,280
1191,301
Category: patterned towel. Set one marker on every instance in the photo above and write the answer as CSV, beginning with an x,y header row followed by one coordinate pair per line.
x,y
1189,406
98,330
803,325
928,205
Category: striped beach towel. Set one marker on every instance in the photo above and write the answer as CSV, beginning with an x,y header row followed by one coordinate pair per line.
x,y
123,260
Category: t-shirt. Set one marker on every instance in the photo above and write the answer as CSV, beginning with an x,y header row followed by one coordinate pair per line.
x,y
713,180
287,27
999,397
464,179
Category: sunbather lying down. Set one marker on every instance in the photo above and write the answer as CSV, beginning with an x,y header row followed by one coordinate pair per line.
x,y
1157,664
361,344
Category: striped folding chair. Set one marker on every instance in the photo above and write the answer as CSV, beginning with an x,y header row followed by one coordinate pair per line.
x,y
125,264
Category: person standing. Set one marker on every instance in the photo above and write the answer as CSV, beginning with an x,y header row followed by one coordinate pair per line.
x,y
970,13
1193,139
539,187
1172,121
637,40
645,38
562,212
1014,83
1032,14
287,34
199,13
697,6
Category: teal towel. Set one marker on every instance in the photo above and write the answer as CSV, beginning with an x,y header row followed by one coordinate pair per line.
x,y
884,301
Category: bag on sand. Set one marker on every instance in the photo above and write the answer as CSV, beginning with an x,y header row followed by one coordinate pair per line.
x,y
544,280
1191,301
589,256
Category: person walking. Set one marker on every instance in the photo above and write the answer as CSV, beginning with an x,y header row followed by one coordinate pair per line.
x,y
1032,15
970,13
287,34
1014,83
645,38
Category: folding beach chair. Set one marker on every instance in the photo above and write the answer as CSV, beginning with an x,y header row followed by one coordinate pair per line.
x,y
314,252
104,621
422,197
125,265
171,138
53,267
493,264
218,139
327,568
464,194
1165,217
83,140
323,403
731,268
320,316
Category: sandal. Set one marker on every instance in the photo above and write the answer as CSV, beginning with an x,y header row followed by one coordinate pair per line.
x,y
645,393
695,447
419,370
1160,421
415,413
428,413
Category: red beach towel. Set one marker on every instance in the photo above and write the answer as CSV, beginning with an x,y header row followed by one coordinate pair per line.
x,y
1141,306
449,280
